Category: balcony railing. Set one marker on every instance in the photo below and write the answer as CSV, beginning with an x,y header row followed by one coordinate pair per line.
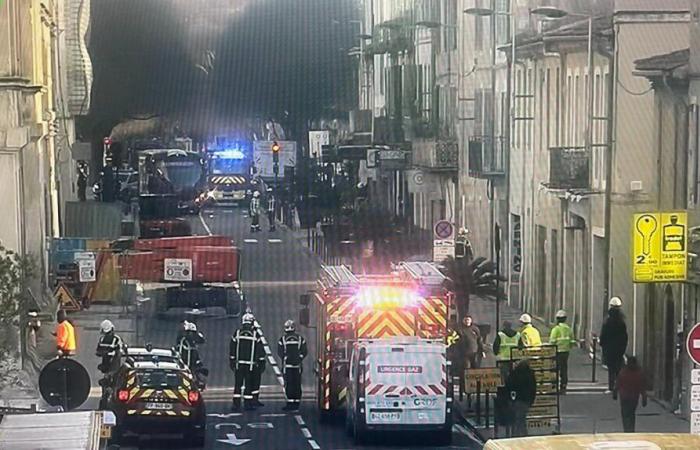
x,y
569,168
438,155
485,159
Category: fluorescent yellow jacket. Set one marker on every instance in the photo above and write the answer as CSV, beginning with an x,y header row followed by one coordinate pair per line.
x,y
530,336
506,343
563,337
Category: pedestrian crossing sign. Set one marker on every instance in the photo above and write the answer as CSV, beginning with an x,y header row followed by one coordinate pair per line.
x,y
65,299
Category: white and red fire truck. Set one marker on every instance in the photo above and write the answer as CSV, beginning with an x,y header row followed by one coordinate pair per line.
x,y
357,311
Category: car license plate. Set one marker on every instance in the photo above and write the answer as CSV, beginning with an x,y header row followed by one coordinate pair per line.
x,y
159,406
385,416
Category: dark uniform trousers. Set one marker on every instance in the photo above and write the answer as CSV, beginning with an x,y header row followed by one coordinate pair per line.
x,y
246,354
292,349
245,375
292,384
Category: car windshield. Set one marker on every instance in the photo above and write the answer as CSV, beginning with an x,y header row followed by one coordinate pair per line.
x,y
158,379
182,173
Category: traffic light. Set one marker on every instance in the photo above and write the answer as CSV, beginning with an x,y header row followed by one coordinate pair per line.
x,y
275,152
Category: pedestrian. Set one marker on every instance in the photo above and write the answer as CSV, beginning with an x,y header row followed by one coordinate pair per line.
x,y
245,351
521,386
254,212
471,342
65,335
260,366
455,352
613,341
187,345
506,339
291,348
529,335
631,384
83,173
110,348
562,336
271,209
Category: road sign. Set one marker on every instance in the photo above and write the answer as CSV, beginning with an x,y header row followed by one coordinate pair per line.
x,y
695,397
64,298
178,269
64,382
443,230
660,247
695,376
692,343
490,378
87,271
443,249
695,423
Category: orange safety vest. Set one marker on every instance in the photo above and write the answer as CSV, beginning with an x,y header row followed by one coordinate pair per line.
x,y
65,337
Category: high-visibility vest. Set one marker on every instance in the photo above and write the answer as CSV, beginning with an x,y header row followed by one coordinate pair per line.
x,y
65,337
507,343
562,336
452,338
530,336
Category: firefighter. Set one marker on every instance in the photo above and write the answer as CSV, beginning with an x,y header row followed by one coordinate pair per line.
x,y
188,341
245,351
259,366
271,204
453,352
529,335
291,348
562,336
65,335
83,174
254,212
110,348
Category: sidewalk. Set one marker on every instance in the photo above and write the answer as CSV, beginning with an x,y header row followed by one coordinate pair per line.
x,y
585,408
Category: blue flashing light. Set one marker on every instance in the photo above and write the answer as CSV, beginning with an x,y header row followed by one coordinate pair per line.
x,y
230,154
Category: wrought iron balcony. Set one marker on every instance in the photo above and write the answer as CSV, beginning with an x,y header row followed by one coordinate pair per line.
x,y
569,168
485,159
436,155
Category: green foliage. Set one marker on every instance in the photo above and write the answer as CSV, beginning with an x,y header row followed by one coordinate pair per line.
x,y
15,271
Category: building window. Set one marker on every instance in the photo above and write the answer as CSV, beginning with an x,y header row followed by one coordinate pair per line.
x,y
382,75
502,21
478,33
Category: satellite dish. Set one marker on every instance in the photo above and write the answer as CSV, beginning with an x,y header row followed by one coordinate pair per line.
x,y
64,382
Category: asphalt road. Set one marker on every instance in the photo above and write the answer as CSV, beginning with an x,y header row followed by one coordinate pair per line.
x,y
276,270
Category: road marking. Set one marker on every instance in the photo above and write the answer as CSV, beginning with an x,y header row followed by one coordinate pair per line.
x,y
204,223
280,380
277,370
274,241
283,283
250,241
306,433
314,444
300,420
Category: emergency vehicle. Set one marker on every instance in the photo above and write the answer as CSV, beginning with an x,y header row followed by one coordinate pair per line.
x,y
411,301
157,396
399,384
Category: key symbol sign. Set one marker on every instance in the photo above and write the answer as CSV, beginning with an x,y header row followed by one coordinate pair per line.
x,y
646,227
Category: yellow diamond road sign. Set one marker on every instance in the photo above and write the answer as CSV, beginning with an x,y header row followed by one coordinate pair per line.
x,y
660,247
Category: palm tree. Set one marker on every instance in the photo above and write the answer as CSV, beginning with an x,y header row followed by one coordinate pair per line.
x,y
471,277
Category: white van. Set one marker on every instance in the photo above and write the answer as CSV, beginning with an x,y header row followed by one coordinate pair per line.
x,y
399,384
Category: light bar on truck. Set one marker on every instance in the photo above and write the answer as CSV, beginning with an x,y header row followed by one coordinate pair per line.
x,y
232,153
386,297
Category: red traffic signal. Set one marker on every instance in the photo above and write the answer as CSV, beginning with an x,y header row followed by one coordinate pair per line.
x,y
275,147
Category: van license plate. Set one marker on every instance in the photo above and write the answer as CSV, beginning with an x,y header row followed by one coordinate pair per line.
x,y
159,406
385,416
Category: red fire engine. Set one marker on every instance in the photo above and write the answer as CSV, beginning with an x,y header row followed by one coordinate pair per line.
x,y
413,300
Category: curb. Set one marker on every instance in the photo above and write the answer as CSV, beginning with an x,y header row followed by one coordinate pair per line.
x,y
472,426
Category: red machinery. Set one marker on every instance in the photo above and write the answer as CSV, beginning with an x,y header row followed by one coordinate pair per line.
x,y
198,271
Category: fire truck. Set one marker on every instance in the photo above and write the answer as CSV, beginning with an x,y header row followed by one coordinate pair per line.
x,y
413,300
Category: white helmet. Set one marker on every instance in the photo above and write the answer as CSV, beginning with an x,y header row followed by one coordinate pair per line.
x,y
615,302
560,314
248,318
256,194
525,318
289,326
189,326
106,326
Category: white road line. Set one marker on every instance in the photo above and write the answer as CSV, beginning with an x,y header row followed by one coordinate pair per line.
x,y
274,241
280,380
277,370
250,241
300,420
271,359
306,433
314,444
204,224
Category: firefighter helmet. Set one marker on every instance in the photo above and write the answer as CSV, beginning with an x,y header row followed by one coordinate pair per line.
x,y
525,318
106,326
289,326
256,194
248,318
615,302
189,326
561,314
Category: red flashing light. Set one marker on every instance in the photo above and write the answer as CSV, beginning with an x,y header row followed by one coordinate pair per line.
x,y
193,396
123,395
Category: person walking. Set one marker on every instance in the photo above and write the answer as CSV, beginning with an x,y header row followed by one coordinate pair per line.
x,y
65,335
471,342
254,212
271,205
562,336
630,385
110,348
529,335
505,340
521,386
613,342
292,349
245,351
83,174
